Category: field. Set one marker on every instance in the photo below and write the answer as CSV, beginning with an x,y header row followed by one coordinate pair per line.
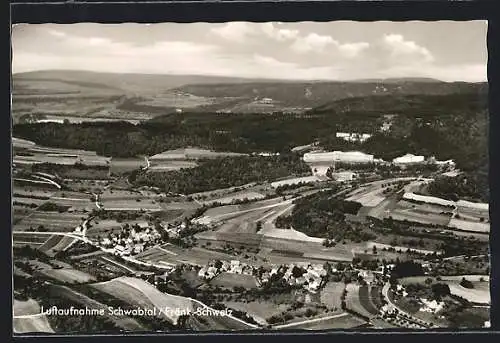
x,y
331,294
122,165
102,227
23,322
118,200
471,226
168,165
38,154
68,275
55,244
76,200
235,197
140,293
178,100
170,254
69,295
357,300
479,294
294,181
371,198
260,310
235,211
418,217
50,221
29,239
230,280
190,154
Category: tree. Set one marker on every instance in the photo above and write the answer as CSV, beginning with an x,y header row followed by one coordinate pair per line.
x,y
466,283
440,290
218,264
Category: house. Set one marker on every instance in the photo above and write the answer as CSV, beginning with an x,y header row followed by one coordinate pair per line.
x,y
408,159
338,156
119,249
138,248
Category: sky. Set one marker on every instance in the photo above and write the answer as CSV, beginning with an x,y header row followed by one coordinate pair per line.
x,y
341,50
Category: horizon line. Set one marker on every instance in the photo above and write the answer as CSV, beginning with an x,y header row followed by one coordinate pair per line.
x,y
368,79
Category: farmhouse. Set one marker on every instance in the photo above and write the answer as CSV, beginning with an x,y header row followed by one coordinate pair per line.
x,y
344,176
338,156
409,159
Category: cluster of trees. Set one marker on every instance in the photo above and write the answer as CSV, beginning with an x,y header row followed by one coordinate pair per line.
x,y
53,207
459,187
223,173
406,269
320,215
435,291
75,171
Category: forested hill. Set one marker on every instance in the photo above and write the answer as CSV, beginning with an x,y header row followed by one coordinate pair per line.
x,y
447,126
313,94
421,105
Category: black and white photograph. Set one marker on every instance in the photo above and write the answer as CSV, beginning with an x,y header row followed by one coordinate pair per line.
x,y
250,177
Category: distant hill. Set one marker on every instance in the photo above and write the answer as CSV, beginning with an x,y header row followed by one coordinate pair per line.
x,y
313,94
401,80
142,96
129,83
418,105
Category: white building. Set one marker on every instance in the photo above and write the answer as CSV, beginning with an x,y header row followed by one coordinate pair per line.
x,y
409,159
338,156
344,176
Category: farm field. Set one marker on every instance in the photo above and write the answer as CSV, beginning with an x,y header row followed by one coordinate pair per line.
x,y
218,193
235,211
178,100
235,197
230,280
168,165
117,200
69,295
123,165
356,300
30,238
27,202
76,200
29,324
370,198
423,218
67,275
102,227
472,226
55,244
140,293
50,221
32,192
190,154
331,294
169,254
260,310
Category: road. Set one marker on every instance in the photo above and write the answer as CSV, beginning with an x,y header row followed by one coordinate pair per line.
x,y
316,320
385,293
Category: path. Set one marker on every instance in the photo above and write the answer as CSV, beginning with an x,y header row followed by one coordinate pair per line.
x,y
316,320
